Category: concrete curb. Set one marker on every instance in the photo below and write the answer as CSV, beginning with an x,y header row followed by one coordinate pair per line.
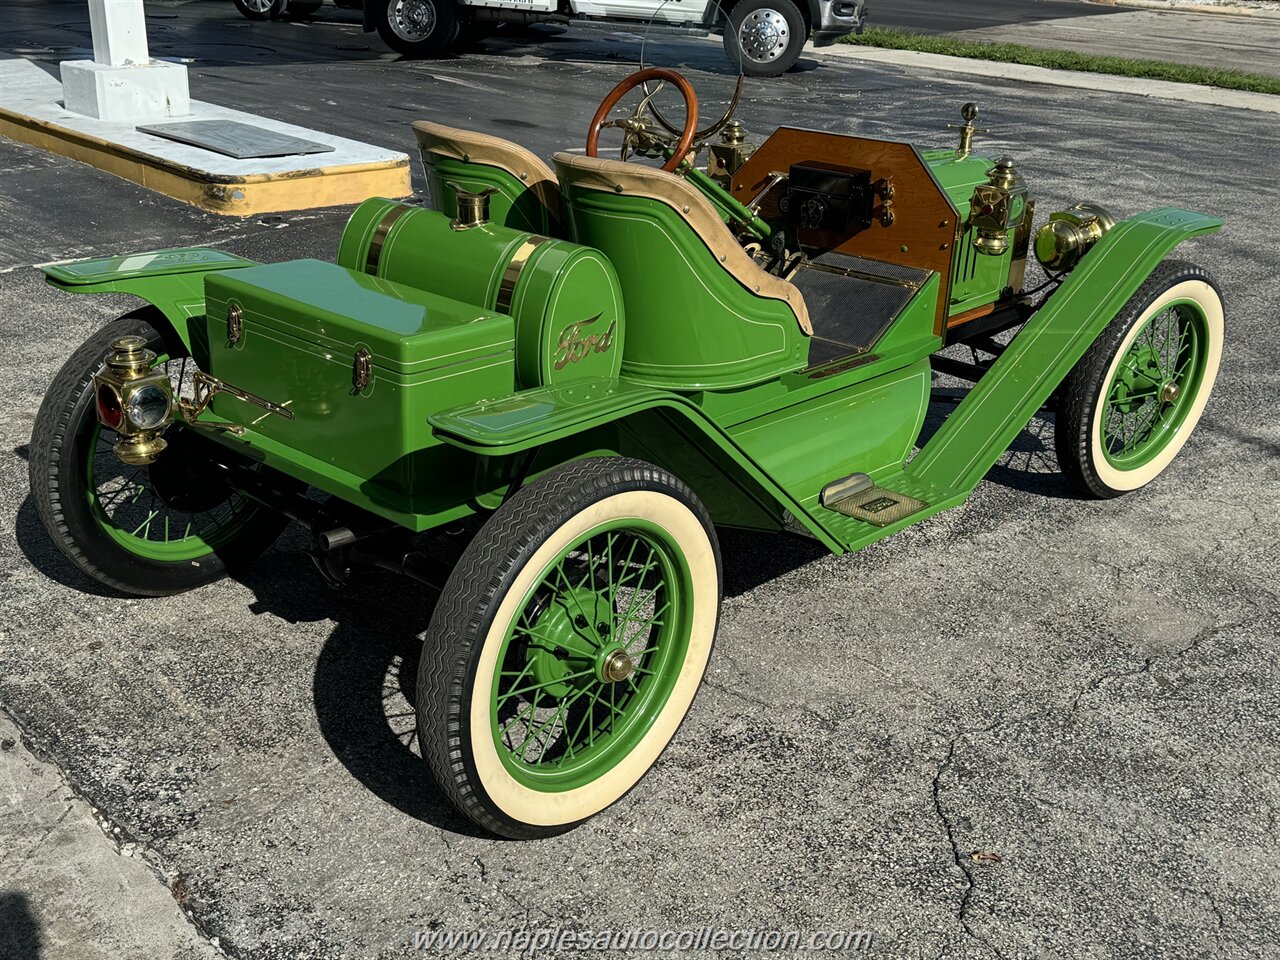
x,y
238,196
31,112
1225,9
1136,86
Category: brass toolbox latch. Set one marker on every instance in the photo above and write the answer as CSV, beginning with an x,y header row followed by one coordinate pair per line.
x,y
362,369
235,322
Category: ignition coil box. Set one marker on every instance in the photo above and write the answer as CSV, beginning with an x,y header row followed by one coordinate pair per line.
x,y
828,197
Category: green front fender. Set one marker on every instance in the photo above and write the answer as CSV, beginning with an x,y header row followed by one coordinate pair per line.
x,y
1019,383
170,280
536,418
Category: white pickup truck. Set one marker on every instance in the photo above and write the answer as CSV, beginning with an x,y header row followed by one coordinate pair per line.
x,y
763,37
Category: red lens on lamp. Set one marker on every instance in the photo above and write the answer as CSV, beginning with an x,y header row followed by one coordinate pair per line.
x,y
109,411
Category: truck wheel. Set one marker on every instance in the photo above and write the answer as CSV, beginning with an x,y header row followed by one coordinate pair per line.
x,y
568,645
1133,399
147,531
417,28
763,38
262,9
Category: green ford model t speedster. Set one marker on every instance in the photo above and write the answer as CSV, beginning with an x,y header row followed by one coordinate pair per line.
x,y
598,364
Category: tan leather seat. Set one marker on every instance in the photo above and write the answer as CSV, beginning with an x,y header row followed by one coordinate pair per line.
x,y
529,193
689,203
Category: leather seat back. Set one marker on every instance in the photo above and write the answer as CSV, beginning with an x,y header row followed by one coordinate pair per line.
x,y
700,312
527,194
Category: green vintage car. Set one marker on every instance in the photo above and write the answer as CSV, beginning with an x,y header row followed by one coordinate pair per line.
x,y
591,367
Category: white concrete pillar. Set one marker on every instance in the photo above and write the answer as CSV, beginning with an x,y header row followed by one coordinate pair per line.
x,y
119,32
122,82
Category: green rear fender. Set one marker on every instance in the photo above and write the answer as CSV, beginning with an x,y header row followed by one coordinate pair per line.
x,y
172,281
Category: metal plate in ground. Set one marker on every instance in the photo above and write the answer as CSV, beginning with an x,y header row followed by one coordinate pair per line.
x,y
878,506
232,138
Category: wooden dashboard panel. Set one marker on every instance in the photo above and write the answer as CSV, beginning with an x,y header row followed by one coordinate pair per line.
x,y
925,226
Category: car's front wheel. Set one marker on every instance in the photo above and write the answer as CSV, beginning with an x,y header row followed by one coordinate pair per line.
x,y
417,28
1132,401
568,645
764,37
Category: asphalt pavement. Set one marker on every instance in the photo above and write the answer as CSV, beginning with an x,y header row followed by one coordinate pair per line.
x,y
949,16
1082,693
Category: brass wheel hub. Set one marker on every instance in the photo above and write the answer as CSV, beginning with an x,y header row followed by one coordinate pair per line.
x,y
617,666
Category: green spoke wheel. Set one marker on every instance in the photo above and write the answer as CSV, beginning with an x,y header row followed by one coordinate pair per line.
x,y
146,531
1134,398
164,524
568,645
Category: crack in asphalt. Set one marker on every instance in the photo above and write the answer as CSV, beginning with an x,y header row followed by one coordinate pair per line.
x,y
1148,662
1217,912
961,862
1095,683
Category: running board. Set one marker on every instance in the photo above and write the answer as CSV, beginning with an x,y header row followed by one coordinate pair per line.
x,y
858,496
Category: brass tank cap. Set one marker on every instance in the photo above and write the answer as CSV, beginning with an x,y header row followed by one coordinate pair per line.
x,y
473,207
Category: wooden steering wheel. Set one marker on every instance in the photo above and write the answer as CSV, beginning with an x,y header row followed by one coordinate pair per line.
x,y
637,79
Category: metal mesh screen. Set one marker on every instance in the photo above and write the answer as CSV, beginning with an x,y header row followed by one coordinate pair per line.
x,y
874,268
849,310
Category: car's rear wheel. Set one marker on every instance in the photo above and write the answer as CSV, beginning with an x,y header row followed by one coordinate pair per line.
x,y
262,9
568,645
1132,401
764,37
147,531
417,28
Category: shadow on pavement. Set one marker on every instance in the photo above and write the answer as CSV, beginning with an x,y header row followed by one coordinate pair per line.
x,y
41,553
19,930
364,680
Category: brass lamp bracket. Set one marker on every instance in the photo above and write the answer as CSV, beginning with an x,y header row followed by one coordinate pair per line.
x,y
207,387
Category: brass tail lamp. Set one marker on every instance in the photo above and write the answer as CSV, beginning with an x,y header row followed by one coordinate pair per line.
x,y
134,397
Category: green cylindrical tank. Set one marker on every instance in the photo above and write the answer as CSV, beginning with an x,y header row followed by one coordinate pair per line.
x,y
564,297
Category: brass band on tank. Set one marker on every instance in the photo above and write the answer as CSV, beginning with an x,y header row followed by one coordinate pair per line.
x,y
511,276
388,220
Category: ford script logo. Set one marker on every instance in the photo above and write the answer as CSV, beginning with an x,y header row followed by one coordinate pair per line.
x,y
575,342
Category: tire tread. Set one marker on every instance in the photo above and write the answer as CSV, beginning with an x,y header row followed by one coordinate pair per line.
x,y
470,598
1079,392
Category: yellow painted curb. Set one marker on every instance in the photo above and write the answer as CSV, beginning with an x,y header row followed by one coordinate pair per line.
x,y
235,196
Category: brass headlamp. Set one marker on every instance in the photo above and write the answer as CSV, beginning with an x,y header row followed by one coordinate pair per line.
x,y
135,399
1070,233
